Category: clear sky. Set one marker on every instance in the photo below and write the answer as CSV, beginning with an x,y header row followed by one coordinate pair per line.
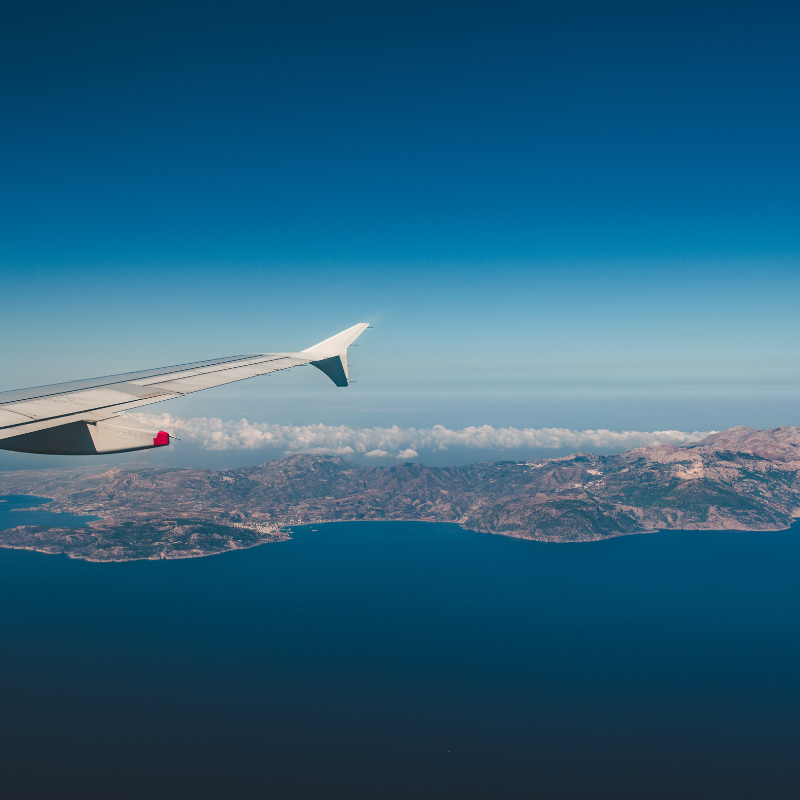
x,y
577,215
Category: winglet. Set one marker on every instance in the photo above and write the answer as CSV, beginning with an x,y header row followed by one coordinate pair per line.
x,y
330,356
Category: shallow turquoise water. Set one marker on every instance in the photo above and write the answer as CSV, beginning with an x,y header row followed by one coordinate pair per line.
x,y
408,660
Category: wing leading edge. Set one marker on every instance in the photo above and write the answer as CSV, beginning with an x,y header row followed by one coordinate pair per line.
x,y
81,418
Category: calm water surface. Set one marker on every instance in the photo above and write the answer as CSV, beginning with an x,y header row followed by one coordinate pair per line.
x,y
407,660
23,509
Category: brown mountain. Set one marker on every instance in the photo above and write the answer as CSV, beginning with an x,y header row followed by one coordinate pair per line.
x,y
742,478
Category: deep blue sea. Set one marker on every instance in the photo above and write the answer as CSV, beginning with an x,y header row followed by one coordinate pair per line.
x,y
400,660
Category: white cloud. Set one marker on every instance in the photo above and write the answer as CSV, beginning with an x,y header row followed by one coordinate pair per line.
x,y
405,454
214,434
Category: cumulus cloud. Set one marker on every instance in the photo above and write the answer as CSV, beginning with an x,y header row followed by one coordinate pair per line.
x,y
405,443
406,454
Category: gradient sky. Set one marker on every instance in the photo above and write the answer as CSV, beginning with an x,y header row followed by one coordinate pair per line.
x,y
555,214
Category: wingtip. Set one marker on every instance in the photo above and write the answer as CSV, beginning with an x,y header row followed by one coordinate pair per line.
x,y
336,345
330,355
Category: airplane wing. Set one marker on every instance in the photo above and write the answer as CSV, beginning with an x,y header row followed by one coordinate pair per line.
x,y
83,417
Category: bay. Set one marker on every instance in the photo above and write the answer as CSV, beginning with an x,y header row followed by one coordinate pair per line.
x,y
405,660
23,509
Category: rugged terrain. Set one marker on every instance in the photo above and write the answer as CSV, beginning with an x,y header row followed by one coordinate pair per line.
x,y
742,478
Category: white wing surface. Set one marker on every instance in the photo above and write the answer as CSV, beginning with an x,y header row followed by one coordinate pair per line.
x,y
82,418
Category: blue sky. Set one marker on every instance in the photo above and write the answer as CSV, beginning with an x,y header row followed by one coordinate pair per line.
x,y
576,215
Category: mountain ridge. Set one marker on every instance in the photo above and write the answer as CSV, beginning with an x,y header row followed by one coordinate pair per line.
x,y
742,479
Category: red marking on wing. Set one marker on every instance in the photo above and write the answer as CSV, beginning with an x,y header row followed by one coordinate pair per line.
x,y
161,439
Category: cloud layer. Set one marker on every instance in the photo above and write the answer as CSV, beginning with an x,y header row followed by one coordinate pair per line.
x,y
401,443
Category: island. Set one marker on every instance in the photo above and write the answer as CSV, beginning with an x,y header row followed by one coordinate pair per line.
x,y
742,479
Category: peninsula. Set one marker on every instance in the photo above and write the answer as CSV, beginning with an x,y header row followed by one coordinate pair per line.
x,y
742,478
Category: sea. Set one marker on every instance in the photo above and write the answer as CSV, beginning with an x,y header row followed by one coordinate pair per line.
x,y
406,660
